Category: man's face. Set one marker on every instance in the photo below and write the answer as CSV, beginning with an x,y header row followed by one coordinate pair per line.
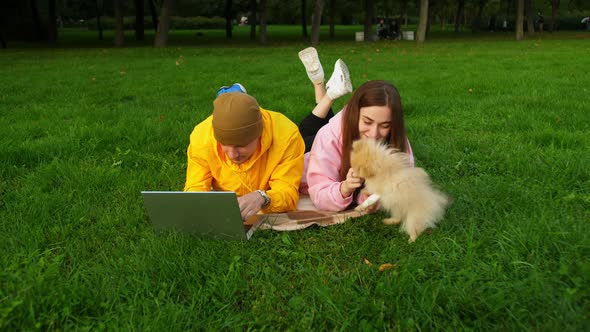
x,y
240,153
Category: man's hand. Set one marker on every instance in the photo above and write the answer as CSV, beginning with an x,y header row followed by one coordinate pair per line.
x,y
250,204
348,186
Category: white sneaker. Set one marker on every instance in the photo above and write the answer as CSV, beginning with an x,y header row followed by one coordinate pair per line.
x,y
313,66
339,83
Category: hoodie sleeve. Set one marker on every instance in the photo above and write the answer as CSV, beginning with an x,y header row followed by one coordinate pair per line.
x,y
323,174
285,178
198,172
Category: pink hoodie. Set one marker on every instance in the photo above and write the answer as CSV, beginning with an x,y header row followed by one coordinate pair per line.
x,y
321,173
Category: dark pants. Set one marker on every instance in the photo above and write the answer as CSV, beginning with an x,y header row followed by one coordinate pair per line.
x,y
310,126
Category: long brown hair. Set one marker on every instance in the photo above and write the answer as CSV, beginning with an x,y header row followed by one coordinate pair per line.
x,y
372,93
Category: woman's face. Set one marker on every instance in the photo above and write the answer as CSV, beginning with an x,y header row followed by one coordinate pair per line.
x,y
375,122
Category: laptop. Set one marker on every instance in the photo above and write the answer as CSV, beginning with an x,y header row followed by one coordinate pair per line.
x,y
211,214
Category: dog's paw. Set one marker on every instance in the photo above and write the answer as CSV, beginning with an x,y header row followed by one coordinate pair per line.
x,y
391,221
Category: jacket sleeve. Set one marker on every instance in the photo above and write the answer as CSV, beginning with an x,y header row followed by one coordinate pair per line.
x,y
198,173
285,178
323,174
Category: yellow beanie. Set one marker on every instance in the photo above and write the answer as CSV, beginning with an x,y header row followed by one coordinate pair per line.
x,y
236,119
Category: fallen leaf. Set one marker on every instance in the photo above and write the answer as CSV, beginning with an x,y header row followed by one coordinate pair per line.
x,y
367,262
161,118
123,72
94,78
386,266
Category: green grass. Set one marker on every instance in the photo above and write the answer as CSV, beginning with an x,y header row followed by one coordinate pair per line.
x,y
503,127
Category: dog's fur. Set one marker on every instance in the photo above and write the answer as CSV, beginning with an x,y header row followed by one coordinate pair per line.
x,y
406,192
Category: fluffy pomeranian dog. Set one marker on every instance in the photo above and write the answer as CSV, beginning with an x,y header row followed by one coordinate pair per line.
x,y
405,192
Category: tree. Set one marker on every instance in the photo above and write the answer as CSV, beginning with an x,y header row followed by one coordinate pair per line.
x,y
52,23
139,20
164,24
316,22
530,18
554,14
37,26
519,19
98,25
476,23
369,17
252,19
228,19
303,18
154,13
460,14
263,11
332,18
119,28
422,24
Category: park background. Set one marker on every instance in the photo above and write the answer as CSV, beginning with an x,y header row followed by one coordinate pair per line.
x,y
501,125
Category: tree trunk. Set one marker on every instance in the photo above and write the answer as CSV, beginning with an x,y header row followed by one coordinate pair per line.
x,y
39,34
459,15
263,34
530,23
98,25
316,22
154,12
52,26
423,21
252,19
332,18
476,23
554,14
2,41
304,18
228,19
139,21
119,28
164,24
369,16
519,19
404,10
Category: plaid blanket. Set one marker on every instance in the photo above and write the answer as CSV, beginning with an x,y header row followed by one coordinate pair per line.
x,y
306,215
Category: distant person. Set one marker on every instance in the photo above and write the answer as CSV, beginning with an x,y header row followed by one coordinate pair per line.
x,y
244,148
381,30
540,21
394,29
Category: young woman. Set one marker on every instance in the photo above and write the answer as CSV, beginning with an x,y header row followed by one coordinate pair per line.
x,y
374,111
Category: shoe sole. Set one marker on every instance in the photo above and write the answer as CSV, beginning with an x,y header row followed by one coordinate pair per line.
x,y
345,74
310,59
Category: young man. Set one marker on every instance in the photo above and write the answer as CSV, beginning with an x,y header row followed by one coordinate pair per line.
x,y
244,148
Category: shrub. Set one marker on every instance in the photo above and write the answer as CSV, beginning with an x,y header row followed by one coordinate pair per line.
x,y
178,23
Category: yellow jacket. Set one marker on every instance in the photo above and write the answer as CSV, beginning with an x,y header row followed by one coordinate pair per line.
x,y
276,166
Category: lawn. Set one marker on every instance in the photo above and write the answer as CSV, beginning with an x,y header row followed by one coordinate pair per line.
x,y
503,127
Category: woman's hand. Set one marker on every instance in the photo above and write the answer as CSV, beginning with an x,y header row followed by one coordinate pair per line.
x,y
352,182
